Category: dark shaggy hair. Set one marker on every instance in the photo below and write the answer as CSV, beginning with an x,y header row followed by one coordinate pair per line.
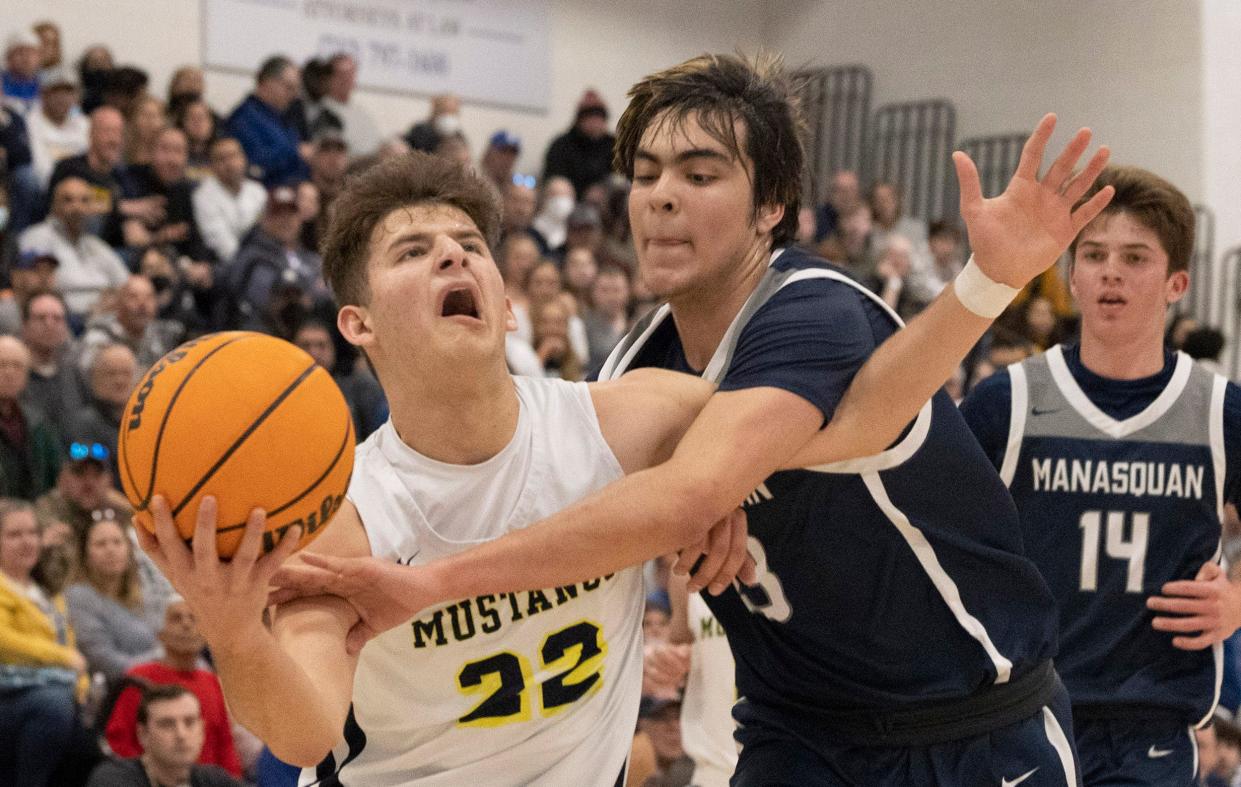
x,y
720,90
398,182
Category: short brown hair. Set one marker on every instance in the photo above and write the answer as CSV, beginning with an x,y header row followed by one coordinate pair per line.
x,y
720,90
160,692
393,183
1153,202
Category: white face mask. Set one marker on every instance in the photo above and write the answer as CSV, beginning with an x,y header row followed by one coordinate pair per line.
x,y
446,125
559,207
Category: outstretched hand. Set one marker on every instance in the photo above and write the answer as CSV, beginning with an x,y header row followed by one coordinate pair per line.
x,y
1022,232
1207,608
383,593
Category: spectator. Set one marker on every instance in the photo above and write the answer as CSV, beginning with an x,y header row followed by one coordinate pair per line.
x,y
617,247
844,195
56,131
29,447
356,124
177,298
171,733
227,204
123,88
1181,326
21,184
887,208
54,386
607,319
558,202
328,164
945,243
445,121
500,158
583,154
88,266
849,243
1004,348
517,211
22,57
144,121
361,391
164,180
113,373
543,286
661,720
551,341
49,45
133,324
1204,345
454,147
1038,322
198,123
29,272
183,649
83,486
188,85
269,261
94,67
41,670
580,269
30,452
114,616
891,280
259,122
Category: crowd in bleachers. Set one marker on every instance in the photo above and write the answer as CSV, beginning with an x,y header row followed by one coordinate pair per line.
x,y
135,218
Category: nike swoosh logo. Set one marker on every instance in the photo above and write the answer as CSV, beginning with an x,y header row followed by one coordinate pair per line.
x,y
1037,411
1155,754
1018,780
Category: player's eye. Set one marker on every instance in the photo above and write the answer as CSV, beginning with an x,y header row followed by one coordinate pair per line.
x,y
413,252
645,178
700,178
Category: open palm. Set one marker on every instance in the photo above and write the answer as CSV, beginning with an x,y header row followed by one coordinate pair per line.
x,y
1022,232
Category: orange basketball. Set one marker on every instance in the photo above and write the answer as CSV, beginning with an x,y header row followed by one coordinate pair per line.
x,y
248,418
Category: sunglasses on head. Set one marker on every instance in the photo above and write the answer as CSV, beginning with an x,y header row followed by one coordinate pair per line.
x,y
81,451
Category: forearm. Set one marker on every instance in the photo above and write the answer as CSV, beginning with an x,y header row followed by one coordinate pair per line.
x,y
262,682
644,515
905,371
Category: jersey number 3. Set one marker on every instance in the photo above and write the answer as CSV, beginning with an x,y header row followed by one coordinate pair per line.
x,y
575,656
1115,545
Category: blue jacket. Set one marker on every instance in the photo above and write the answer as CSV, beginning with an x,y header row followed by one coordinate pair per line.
x,y
269,140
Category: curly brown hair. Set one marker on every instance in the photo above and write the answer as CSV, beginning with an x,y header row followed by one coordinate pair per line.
x,y
391,184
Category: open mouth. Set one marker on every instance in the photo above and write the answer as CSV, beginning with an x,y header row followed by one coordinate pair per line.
x,y
459,303
1111,300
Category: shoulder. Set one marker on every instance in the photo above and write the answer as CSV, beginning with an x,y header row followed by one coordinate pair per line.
x,y
118,773
211,776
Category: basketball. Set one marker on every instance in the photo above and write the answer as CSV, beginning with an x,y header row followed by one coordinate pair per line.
x,y
247,418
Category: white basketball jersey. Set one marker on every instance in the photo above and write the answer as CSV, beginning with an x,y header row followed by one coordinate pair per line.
x,y
535,687
710,689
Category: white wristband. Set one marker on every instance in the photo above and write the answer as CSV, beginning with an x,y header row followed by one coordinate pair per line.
x,y
978,293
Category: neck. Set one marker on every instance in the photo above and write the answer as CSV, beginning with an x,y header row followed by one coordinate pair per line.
x,y
164,773
1127,358
21,578
70,232
96,162
57,119
133,331
8,407
704,313
41,357
181,662
108,586
454,420
231,187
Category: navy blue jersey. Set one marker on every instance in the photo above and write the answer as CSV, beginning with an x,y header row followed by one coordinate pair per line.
x,y
1120,486
886,580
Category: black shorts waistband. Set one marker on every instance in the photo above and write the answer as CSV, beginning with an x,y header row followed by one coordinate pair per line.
x,y
984,711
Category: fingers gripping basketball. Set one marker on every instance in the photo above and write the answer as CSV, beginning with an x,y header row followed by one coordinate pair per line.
x,y
245,417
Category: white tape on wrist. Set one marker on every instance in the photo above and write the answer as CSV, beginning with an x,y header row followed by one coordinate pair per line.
x,y
978,293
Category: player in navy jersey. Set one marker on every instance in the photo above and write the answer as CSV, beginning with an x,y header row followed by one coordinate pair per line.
x,y
896,634
1120,456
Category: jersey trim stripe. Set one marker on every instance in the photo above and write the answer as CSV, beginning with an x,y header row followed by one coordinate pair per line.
x,y
1101,420
947,588
624,353
1219,461
1060,743
1016,422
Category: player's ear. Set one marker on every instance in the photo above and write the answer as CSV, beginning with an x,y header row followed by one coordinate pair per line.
x,y
767,217
510,319
1176,286
354,322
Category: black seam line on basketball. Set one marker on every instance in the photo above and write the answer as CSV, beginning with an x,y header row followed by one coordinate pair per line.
x,y
271,408
159,436
335,461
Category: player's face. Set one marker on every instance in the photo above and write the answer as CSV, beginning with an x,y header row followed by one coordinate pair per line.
x,y
434,286
1120,279
691,209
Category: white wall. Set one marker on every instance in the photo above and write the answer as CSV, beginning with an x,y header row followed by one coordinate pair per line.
x,y
1129,69
1221,137
595,43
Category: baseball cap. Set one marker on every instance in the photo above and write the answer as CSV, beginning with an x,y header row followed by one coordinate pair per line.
x,y
21,39
29,258
58,77
506,139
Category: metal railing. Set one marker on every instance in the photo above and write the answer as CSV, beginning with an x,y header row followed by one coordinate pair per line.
x,y
911,146
836,106
996,158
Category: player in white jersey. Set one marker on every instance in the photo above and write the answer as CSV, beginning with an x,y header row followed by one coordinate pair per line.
x,y
535,687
